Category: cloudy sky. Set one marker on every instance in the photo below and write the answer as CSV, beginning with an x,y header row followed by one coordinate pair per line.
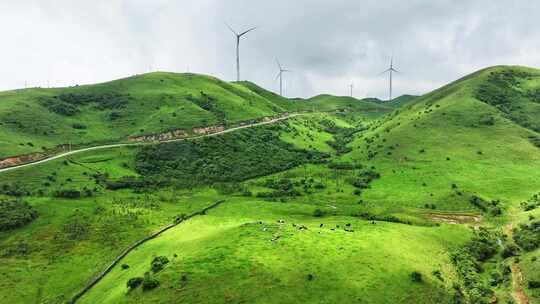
x,y
328,44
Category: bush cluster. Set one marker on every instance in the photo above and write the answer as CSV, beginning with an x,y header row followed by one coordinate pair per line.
x,y
208,103
468,261
73,193
491,207
532,203
527,236
67,104
15,214
158,263
364,179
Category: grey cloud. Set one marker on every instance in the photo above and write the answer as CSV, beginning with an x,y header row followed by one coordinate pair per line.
x,y
328,44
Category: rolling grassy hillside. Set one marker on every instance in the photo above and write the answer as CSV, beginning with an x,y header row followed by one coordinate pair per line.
x,y
417,206
450,137
38,119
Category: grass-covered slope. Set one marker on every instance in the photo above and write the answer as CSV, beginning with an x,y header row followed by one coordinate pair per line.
x,y
143,104
254,252
449,145
37,119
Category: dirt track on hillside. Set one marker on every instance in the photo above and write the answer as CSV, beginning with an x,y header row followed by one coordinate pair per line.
x,y
518,281
62,155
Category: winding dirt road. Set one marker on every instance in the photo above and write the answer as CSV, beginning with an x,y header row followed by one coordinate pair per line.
x,y
65,154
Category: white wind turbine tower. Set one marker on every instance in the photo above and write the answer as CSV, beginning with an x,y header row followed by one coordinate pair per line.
x,y
280,76
390,70
351,86
238,37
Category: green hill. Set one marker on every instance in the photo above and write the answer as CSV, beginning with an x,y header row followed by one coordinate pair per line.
x,y
328,102
450,136
430,200
39,119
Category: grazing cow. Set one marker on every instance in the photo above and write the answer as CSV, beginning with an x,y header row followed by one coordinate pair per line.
x,y
321,226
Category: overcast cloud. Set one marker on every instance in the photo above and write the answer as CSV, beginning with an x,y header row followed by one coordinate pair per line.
x,y
328,44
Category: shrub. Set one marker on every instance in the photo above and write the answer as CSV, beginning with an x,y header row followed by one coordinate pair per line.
x,y
115,115
134,282
416,277
438,275
158,263
318,213
78,126
71,194
535,140
510,251
533,284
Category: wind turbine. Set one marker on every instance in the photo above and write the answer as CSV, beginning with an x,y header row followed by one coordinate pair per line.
x,y
351,86
238,36
390,70
280,76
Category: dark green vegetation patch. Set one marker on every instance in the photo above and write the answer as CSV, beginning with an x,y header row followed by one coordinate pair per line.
x,y
528,236
68,104
229,158
15,214
503,90
468,262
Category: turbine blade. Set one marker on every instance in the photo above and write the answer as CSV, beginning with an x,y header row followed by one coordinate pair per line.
x,y
230,28
279,64
386,71
251,29
396,70
277,77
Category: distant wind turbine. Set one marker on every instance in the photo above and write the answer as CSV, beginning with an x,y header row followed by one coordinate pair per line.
x,y
280,76
351,86
238,36
390,70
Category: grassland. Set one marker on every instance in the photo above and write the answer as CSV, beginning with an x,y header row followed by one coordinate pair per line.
x,y
389,211
36,120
